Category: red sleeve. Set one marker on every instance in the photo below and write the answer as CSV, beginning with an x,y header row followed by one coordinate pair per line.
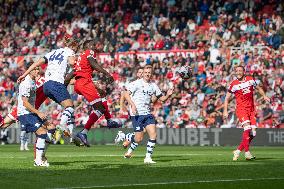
x,y
254,83
230,88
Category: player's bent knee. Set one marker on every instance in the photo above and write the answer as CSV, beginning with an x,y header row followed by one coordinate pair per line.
x,y
41,131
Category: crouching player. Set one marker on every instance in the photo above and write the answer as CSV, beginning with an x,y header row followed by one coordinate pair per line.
x,y
32,119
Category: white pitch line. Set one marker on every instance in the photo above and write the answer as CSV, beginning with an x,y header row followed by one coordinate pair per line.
x,y
112,155
166,183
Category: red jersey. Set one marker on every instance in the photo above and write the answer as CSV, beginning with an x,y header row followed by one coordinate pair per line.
x,y
243,91
40,96
82,67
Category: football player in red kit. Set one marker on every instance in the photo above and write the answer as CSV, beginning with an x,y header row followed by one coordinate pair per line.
x,y
84,67
243,88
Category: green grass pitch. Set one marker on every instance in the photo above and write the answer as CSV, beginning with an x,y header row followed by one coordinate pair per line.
x,y
177,167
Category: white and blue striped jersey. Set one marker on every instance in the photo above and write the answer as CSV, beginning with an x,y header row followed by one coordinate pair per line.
x,y
141,93
58,64
27,88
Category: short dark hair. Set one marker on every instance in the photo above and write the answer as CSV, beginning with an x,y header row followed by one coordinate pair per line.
x,y
240,66
86,43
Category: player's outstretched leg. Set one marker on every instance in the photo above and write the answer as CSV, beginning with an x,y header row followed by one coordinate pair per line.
x,y
81,137
110,123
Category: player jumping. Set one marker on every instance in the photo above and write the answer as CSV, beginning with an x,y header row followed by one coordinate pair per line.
x,y
85,65
243,88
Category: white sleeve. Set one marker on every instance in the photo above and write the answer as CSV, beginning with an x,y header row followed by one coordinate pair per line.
x,y
158,92
25,90
70,53
132,87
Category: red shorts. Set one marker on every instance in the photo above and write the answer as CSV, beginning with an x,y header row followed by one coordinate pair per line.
x,y
246,116
87,88
40,97
13,114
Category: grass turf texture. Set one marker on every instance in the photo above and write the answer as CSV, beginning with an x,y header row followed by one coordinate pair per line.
x,y
177,167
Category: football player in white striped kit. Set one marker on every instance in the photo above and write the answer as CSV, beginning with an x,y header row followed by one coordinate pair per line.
x,y
55,86
140,94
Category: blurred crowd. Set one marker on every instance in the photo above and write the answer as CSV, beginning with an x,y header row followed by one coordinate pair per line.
x,y
224,33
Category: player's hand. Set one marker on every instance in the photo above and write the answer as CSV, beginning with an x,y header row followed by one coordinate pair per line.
x,y
134,110
42,116
253,133
20,79
266,98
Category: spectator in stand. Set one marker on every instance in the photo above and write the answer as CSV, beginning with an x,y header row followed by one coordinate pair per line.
x,y
209,27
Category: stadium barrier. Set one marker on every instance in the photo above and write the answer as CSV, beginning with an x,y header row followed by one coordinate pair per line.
x,y
121,56
191,137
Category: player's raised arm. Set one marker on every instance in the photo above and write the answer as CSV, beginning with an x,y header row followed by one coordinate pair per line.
x,y
168,94
32,67
96,66
226,102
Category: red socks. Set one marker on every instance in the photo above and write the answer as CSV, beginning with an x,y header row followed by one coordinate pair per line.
x,y
91,121
245,141
106,113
